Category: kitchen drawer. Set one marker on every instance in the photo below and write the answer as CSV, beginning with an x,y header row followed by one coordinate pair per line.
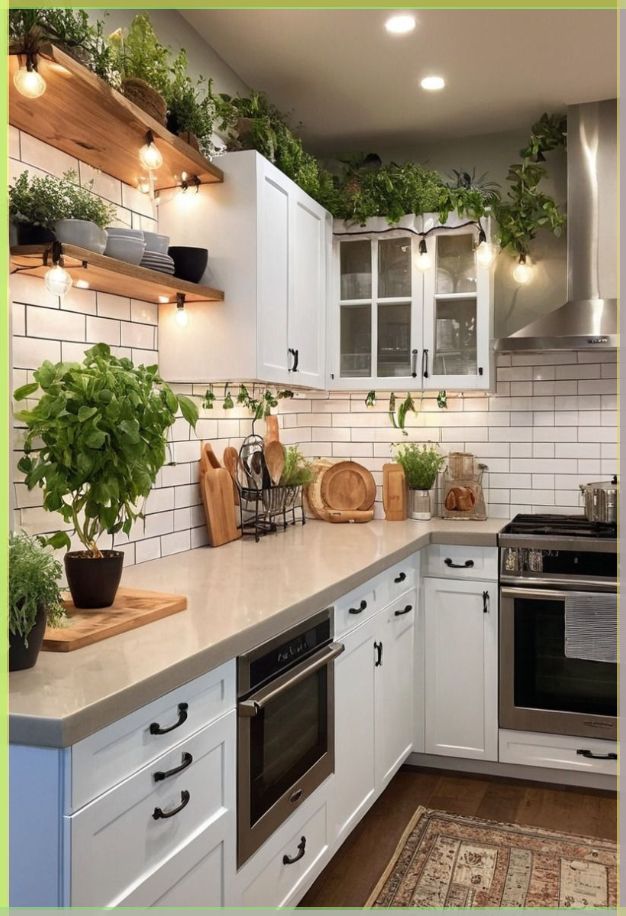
x,y
354,608
395,580
557,752
112,754
403,609
275,882
117,841
448,562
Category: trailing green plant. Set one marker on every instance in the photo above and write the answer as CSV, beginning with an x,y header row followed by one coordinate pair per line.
x,y
191,106
34,575
228,398
96,440
42,201
298,471
138,54
370,399
71,29
262,407
421,463
398,416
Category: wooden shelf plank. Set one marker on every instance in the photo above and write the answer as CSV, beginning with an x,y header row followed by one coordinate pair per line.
x,y
82,115
108,275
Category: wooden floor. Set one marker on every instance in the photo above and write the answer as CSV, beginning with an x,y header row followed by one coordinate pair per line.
x,y
354,870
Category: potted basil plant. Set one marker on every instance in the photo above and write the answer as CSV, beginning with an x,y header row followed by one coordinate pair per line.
x,y
34,598
421,465
95,441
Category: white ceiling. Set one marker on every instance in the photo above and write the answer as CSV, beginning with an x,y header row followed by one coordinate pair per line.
x,y
351,84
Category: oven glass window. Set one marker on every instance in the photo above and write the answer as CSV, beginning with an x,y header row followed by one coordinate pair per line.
x,y
544,677
289,736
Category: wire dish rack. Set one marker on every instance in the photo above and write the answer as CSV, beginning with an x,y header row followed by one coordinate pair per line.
x,y
265,507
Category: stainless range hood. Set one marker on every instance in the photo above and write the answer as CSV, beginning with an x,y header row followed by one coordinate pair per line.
x,y
588,320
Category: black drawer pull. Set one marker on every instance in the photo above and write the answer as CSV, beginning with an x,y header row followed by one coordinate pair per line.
x,y
591,756
187,760
452,565
289,860
357,610
378,647
405,610
400,578
486,600
159,813
155,728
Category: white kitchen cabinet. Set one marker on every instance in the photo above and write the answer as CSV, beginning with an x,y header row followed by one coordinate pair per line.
x,y
269,250
392,326
461,668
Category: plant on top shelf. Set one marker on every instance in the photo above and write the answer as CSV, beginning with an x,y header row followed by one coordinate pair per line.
x,y
143,64
191,108
102,425
297,471
34,598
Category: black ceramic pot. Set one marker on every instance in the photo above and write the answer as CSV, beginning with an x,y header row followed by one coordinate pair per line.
x,y
27,234
93,582
22,656
189,263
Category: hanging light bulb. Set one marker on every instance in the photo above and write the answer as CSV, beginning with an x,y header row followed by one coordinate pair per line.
x,y
182,318
150,154
485,251
28,81
144,184
423,258
523,273
57,281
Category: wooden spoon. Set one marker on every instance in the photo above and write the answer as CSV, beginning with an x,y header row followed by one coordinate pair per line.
x,y
275,460
231,463
272,431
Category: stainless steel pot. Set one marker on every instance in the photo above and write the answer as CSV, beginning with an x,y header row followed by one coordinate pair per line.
x,y
600,500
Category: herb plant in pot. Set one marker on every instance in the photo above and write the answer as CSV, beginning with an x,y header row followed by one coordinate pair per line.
x,y
34,598
421,464
85,216
35,204
95,441
143,65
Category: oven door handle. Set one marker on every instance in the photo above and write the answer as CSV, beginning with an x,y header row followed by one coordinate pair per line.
x,y
547,593
254,704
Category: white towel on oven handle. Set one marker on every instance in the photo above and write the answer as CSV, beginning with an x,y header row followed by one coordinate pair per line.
x,y
591,626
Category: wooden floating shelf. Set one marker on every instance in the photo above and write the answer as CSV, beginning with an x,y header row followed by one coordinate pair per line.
x,y
108,275
83,116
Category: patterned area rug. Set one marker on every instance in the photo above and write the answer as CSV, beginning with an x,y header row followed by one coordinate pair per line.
x,y
446,860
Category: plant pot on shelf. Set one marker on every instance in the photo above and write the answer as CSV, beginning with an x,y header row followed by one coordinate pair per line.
x,y
421,504
146,97
29,234
82,233
23,656
93,582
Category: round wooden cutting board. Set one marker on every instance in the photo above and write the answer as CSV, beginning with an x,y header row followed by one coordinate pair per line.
x,y
348,486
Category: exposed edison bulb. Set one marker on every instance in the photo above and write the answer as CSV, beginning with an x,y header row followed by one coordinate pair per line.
x,y
423,258
144,184
57,281
150,155
523,273
486,254
182,318
29,82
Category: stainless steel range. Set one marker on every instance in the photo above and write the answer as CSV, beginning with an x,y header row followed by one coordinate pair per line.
x,y
558,575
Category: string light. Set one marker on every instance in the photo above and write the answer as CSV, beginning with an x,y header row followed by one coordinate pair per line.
x,y
523,273
423,258
150,154
485,251
28,81
57,280
182,318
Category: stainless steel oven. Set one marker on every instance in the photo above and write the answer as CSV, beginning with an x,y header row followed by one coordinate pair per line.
x,y
286,740
542,688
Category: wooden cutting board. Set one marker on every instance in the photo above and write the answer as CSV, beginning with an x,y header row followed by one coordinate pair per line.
x,y
217,488
394,492
132,608
341,516
349,486
313,490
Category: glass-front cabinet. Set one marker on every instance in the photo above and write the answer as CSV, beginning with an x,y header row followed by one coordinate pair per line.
x,y
400,326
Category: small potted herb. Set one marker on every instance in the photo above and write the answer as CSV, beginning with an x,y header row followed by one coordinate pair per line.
x,y
95,441
34,598
191,109
143,65
421,464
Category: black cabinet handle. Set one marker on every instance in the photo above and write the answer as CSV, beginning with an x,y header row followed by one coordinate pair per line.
x,y
160,775
155,728
159,813
591,756
400,578
289,860
357,610
405,610
413,363
295,354
485,602
425,363
378,646
480,370
452,565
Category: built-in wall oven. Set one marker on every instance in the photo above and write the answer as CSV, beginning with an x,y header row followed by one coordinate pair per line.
x,y
286,741
546,567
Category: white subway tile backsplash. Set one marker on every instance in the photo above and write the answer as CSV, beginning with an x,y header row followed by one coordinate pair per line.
x,y
140,336
103,330
113,306
45,157
31,290
144,312
31,352
54,324
18,319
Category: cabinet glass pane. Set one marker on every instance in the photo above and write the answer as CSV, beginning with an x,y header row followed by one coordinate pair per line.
x,y
455,337
394,268
394,339
456,266
356,269
356,341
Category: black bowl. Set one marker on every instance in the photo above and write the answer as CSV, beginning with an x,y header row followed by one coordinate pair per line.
x,y
189,263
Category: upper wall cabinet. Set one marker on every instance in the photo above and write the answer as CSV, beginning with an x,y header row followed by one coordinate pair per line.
x,y
393,325
269,243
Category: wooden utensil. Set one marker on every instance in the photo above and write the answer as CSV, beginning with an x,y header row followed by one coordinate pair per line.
x,y
274,454
313,490
353,515
394,492
219,506
231,463
272,430
208,458
348,486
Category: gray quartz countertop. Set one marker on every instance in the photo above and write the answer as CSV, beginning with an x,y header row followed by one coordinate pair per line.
x,y
238,595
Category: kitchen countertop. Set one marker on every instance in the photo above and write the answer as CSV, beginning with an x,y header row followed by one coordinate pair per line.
x,y
238,596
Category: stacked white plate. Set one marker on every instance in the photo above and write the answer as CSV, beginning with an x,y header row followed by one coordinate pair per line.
x,y
156,256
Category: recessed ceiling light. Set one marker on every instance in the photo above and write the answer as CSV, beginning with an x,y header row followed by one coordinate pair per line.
x,y
432,83
400,24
